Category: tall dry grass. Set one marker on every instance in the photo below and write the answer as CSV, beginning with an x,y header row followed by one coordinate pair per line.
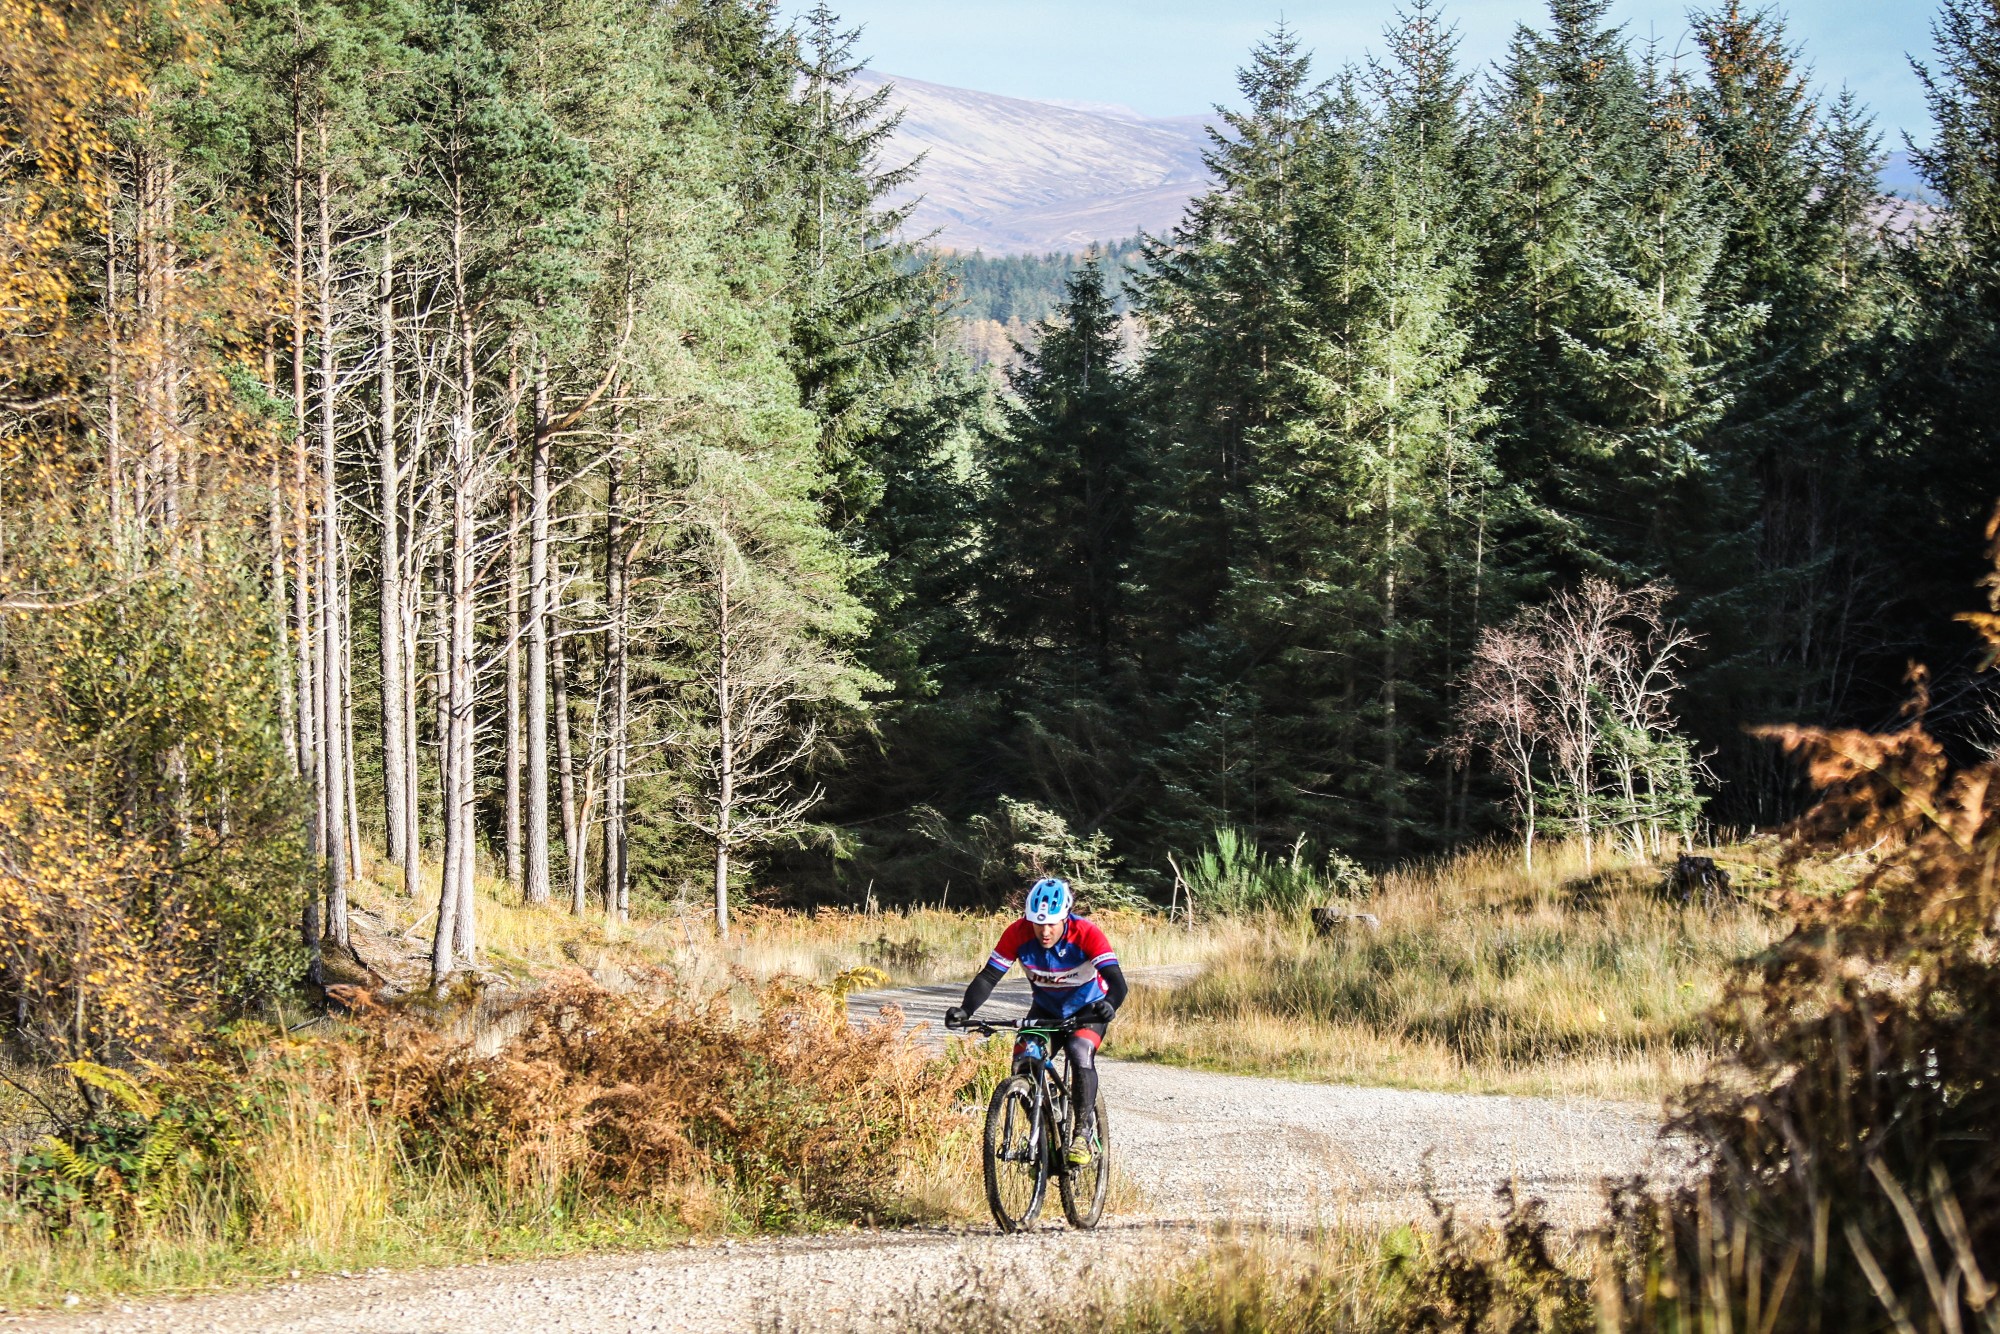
x,y
606,1119
1230,1281
1482,976
907,945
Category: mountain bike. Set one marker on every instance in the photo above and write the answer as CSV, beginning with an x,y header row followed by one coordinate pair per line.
x,y
1029,1124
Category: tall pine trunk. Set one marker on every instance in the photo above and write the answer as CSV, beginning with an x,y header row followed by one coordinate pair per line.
x,y
455,939
351,787
333,762
538,642
307,704
566,773
443,962
512,748
396,816
617,884
725,746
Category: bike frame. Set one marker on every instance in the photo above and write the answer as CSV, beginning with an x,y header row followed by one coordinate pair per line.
x,y
1052,1087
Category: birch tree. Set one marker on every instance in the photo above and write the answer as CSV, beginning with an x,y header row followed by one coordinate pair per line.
x,y
767,618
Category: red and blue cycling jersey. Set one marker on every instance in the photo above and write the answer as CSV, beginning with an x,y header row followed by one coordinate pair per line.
x,y
1064,975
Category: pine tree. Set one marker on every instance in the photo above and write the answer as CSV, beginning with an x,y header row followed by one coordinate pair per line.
x,y
1058,534
1221,299
1937,461
1224,301
1779,578
1561,140
1374,496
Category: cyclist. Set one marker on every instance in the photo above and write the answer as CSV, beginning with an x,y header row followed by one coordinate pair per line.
x,y
1075,978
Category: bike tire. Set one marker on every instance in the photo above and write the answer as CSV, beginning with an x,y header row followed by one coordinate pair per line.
x,y
1084,1189
1017,1181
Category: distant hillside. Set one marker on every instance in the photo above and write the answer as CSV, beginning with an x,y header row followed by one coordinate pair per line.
x,y
1901,179
1008,176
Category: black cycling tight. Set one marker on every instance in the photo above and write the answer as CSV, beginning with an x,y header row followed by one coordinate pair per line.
x,y
1083,1070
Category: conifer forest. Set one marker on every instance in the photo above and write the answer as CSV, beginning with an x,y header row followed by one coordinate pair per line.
x,y
515,438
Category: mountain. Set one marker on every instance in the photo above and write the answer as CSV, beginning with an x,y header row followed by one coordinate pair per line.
x,y
1901,178
1011,177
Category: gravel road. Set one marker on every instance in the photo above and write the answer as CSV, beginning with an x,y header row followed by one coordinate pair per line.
x,y
1198,1150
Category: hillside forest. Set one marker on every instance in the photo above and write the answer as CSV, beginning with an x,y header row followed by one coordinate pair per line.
x,y
1002,298
508,437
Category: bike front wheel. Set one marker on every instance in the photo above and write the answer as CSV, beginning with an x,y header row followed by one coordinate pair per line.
x,y
1084,1188
1017,1165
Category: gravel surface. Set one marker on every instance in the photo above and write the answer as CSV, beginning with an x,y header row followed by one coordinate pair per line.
x,y
1207,1147
1200,1150
826,1285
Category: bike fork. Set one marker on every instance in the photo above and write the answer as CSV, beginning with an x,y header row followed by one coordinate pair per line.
x,y
1049,1120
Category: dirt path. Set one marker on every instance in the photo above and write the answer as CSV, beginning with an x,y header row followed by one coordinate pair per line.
x,y
1202,1147
1198,1149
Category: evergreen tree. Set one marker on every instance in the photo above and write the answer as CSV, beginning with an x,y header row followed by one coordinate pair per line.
x,y
1221,299
1779,578
1374,498
1936,464
1058,529
1224,300
1562,138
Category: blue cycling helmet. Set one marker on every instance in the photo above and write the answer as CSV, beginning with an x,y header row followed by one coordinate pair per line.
x,y
1048,902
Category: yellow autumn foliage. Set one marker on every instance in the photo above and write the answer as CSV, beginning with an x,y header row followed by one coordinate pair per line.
x,y
150,860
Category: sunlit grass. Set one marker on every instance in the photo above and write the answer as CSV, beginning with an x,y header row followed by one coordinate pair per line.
x,y
1481,976
909,946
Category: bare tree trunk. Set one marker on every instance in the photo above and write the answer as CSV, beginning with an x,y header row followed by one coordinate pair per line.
x,y
725,767
455,937
287,723
566,772
114,462
617,882
346,607
515,850
333,764
538,643
443,961
307,709
1528,841
396,817
586,824
411,621
463,692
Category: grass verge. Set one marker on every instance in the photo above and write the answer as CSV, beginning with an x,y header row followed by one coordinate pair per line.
x,y
1481,977
606,1120
907,946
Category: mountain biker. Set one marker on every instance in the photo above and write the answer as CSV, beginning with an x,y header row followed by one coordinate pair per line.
x,y
1075,978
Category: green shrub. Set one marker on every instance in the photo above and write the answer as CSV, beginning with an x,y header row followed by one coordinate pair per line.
x,y
1237,876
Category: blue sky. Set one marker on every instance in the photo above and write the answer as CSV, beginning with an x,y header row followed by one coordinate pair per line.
x,y
1178,57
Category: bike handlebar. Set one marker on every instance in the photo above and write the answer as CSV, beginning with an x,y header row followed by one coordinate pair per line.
x,y
988,1027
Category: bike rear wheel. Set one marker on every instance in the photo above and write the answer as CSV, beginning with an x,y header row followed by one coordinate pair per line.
x,y
1083,1189
1017,1163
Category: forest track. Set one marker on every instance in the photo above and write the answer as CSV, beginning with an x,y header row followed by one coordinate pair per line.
x,y
1200,1151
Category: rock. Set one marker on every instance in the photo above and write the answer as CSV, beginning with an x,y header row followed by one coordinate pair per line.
x,y
1326,921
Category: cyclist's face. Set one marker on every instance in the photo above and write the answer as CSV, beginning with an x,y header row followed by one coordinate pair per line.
x,y
1048,933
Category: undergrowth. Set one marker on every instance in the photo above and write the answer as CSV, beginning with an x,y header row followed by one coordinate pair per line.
x,y
602,1120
